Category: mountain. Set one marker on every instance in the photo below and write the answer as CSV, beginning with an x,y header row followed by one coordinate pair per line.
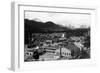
x,y
35,26
32,26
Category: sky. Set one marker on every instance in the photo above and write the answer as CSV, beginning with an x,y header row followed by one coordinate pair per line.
x,y
64,19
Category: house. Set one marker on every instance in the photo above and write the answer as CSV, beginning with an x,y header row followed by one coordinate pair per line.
x,y
62,52
75,51
69,51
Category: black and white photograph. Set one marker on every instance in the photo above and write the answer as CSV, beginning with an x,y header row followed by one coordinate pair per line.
x,y
50,36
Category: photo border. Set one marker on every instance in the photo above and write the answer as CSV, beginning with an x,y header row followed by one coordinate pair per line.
x,y
15,51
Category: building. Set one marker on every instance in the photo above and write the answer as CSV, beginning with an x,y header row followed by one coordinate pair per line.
x,y
64,52
69,51
75,51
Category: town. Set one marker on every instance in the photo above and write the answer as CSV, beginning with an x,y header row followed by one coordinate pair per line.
x,y
56,46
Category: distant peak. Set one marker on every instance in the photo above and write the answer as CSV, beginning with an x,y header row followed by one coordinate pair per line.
x,y
36,19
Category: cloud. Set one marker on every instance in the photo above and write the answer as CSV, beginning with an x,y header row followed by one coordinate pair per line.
x,y
71,20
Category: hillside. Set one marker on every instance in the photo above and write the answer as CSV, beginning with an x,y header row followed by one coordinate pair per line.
x,y
32,26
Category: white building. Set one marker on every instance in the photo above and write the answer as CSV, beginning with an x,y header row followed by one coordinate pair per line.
x,y
63,52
